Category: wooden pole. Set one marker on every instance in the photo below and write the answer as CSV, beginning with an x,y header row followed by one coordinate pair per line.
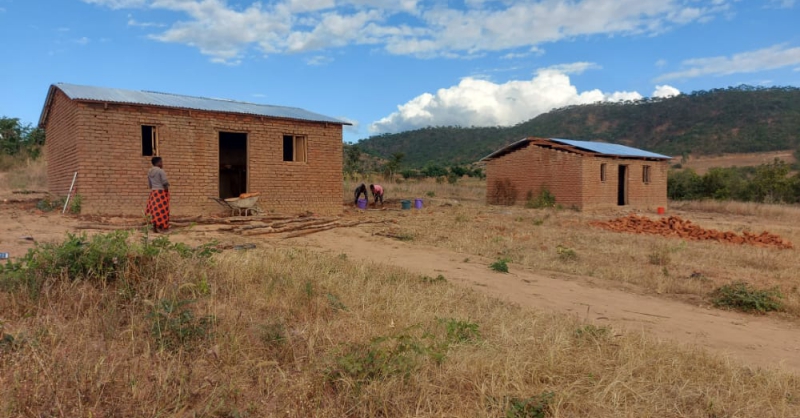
x,y
66,202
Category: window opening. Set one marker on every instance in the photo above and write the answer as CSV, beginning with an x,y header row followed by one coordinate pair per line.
x,y
295,148
149,141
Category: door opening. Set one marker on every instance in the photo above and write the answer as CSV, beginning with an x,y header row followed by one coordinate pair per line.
x,y
232,164
622,189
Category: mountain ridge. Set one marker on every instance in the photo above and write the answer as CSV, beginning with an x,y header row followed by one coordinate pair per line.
x,y
738,119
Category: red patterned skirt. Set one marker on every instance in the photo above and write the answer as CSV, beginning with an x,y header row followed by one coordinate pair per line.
x,y
158,209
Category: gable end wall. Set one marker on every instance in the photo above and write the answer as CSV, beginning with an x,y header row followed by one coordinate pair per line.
x,y
533,168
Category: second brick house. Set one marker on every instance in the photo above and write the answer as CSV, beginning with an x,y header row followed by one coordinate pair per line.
x,y
580,174
211,148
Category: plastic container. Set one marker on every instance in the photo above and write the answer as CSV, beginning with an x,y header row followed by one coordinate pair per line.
x,y
362,204
418,203
660,210
405,204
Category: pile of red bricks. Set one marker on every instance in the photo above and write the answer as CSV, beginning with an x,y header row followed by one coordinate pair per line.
x,y
674,226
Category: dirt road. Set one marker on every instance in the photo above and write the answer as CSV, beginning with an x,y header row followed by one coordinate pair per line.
x,y
760,341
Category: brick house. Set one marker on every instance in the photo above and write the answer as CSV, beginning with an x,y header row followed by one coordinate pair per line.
x,y
210,147
581,174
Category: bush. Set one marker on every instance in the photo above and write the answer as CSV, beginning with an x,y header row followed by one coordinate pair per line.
x,y
503,193
175,326
744,297
566,254
500,266
544,199
99,259
533,407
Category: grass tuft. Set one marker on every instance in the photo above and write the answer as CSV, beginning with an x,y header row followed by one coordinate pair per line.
x,y
744,297
500,266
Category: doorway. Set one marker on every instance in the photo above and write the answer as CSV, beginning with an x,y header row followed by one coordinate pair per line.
x,y
232,164
622,189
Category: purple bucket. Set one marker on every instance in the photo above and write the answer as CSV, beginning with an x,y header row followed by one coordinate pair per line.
x,y
362,203
418,203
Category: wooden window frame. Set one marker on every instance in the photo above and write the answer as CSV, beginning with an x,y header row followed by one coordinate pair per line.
x,y
603,172
299,148
646,174
153,141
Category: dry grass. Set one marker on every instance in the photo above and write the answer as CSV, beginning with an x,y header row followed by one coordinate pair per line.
x,y
290,328
23,173
654,264
766,212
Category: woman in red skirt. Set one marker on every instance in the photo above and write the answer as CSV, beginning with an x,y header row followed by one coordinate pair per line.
x,y
158,203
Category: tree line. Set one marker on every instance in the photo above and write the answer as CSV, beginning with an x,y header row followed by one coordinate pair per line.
x,y
766,183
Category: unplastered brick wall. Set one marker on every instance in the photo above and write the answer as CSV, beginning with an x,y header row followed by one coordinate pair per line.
x,y
61,147
533,168
113,177
600,194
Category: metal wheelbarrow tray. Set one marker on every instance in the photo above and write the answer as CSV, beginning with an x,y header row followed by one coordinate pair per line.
x,y
246,203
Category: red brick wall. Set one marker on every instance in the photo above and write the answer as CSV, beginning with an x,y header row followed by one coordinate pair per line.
x,y
599,194
61,146
114,179
534,167
574,179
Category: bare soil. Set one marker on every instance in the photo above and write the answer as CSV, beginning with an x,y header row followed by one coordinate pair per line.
x,y
764,341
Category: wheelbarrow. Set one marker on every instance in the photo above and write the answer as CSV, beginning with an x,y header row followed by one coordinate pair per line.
x,y
246,204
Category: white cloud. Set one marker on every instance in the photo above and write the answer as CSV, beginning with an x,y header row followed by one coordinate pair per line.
x,y
574,68
475,102
353,128
660,63
82,40
224,30
135,23
665,91
782,4
776,56
319,60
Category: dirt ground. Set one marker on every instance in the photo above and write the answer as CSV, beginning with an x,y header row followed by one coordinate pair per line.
x,y
766,341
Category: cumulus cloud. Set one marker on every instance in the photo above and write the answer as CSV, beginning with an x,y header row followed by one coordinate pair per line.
x,y
777,56
665,91
424,28
476,102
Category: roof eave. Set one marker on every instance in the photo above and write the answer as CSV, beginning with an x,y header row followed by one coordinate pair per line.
x,y
48,101
337,122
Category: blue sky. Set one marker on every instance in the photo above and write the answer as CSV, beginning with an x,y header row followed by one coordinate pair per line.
x,y
394,65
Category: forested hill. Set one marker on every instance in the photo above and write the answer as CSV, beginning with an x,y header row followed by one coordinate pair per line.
x,y
733,120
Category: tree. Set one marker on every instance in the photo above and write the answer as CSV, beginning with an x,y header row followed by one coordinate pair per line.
x,y
393,165
16,138
352,163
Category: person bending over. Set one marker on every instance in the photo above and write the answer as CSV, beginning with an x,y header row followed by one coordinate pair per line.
x,y
377,192
359,190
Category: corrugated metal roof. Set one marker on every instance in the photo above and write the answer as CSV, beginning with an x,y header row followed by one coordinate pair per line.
x,y
109,95
602,148
610,149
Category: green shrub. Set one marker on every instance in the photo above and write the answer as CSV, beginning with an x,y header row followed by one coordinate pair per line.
x,y
566,254
461,331
100,258
175,326
500,265
533,407
544,199
431,193
744,297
